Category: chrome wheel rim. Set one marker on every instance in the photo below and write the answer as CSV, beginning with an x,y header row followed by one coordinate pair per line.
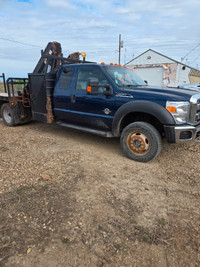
x,y
7,115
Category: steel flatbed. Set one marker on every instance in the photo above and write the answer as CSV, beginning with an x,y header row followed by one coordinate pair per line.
x,y
4,96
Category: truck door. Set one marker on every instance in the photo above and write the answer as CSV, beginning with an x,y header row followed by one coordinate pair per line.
x,y
91,110
62,93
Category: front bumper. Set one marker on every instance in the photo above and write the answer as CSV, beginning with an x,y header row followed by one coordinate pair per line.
x,y
182,133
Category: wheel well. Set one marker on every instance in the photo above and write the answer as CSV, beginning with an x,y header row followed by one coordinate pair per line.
x,y
140,116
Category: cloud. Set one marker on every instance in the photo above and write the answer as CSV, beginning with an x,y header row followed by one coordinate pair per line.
x,y
93,26
60,4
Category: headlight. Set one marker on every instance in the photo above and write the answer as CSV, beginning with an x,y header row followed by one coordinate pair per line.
x,y
179,110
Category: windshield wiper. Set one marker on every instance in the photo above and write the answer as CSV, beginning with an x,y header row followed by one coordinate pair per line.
x,y
131,85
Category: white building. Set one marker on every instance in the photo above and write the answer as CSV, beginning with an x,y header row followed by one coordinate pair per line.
x,y
158,69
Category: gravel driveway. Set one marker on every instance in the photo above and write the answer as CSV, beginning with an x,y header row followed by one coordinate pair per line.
x,y
69,198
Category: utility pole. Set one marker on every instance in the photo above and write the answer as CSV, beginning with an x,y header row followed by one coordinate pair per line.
x,y
121,45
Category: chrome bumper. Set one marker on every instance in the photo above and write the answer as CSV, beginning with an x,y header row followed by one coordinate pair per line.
x,y
186,133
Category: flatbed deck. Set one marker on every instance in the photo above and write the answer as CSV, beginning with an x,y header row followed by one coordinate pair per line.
x,y
4,96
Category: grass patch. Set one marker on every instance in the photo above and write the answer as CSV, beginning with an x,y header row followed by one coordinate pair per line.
x,y
121,247
22,189
2,219
134,221
45,187
65,240
161,221
143,234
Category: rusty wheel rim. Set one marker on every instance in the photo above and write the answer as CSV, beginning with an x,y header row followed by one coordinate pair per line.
x,y
139,143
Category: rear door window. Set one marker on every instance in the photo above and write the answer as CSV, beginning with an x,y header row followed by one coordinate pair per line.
x,y
65,78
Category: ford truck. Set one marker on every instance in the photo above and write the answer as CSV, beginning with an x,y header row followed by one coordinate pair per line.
x,y
104,99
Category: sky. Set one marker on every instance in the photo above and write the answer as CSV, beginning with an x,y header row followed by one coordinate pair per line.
x,y
93,26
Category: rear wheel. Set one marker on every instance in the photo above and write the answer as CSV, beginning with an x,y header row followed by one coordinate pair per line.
x,y
141,141
11,115
8,115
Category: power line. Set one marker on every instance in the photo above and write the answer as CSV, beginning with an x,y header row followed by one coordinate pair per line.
x,y
190,52
14,41
195,59
69,51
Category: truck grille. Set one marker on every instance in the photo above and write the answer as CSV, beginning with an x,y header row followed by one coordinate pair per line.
x,y
198,113
194,117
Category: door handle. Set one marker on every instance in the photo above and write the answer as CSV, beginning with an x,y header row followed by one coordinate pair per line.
x,y
73,99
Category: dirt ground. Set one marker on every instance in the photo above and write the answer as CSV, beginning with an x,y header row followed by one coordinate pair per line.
x,y
69,198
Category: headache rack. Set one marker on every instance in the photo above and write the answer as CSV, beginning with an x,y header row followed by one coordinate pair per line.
x,y
17,91
14,91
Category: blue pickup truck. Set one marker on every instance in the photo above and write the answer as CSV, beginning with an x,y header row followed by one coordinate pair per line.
x,y
107,100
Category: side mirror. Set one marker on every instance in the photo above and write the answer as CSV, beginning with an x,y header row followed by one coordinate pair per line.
x,y
94,88
146,82
93,82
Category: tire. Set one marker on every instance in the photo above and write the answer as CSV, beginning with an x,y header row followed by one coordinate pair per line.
x,y
141,141
8,115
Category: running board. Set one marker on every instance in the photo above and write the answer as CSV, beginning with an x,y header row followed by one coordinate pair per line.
x,y
85,129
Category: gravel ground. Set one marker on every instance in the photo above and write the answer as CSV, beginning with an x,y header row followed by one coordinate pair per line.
x,y
69,198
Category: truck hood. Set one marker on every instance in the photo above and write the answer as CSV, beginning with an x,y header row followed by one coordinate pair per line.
x,y
160,93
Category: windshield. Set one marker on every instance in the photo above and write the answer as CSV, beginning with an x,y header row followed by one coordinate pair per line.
x,y
123,76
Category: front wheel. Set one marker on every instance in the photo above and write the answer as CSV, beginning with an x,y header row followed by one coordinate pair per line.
x,y
141,141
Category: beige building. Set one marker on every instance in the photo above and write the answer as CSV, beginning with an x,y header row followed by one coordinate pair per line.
x,y
158,69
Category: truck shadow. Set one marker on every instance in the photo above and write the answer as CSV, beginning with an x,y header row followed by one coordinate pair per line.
x,y
78,137
108,145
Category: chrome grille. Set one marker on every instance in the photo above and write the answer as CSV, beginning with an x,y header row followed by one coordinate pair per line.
x,y
198,113
194,116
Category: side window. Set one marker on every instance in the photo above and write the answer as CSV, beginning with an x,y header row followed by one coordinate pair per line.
x,y
84,73
65,78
